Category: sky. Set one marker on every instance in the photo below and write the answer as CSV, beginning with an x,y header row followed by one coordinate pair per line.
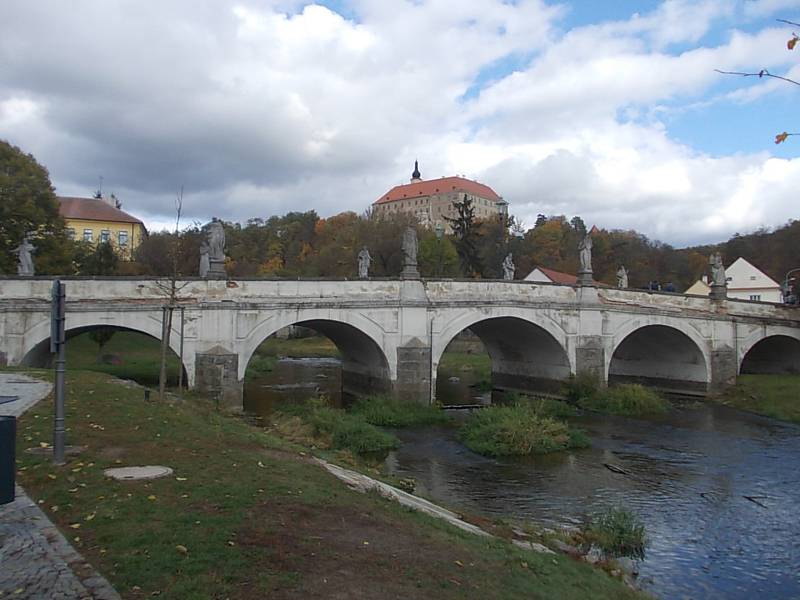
x,y
611,111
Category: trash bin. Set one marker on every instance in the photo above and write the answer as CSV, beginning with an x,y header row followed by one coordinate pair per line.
x,y
8,435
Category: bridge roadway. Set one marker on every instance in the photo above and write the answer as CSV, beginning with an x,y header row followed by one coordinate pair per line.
x,y
392,333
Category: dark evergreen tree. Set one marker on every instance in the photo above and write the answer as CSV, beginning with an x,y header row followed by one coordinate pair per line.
x,y
466,234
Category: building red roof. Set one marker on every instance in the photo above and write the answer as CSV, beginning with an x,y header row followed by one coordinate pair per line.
x,y
445,185
564,278
558,276
92,209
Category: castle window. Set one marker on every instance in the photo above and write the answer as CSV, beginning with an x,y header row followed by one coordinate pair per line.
x,y
105,236
71,233
122,238
87,235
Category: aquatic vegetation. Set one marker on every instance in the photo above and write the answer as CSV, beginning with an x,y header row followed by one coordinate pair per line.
x,y
616,532
517,430
632,400
388,412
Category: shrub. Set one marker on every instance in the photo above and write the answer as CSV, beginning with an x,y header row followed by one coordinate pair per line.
x,y
629,399
516,430
583,386
387,412
260,364
617,532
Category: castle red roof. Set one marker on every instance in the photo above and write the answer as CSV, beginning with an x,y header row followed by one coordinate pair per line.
x,y
445,185
92,209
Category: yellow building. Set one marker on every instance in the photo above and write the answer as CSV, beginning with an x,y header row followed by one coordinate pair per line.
x,y
99,220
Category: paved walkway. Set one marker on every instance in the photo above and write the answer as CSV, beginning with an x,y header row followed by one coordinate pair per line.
x,y
36,561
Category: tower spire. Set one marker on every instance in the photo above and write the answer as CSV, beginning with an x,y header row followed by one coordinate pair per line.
x,y
415,176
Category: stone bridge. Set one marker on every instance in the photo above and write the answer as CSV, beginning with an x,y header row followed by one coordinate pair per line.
x,y
392,333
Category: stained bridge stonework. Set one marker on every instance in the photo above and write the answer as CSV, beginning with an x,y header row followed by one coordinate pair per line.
x,y
392,333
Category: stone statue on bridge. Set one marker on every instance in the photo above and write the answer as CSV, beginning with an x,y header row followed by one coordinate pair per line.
x,y
215,242
508,267
24,254
585,255
622,277
364,262
205,261
719,283
410,270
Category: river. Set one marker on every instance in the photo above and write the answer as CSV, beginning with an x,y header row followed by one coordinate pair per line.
x,y
717,489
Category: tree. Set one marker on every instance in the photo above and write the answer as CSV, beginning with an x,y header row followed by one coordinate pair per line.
x,y
28,206
437,257
791,44
101,336
101,260
466,234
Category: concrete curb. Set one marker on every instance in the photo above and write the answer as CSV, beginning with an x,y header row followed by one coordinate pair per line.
x,y
37,560
363,483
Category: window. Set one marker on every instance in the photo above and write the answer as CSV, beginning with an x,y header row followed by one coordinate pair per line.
x,y
105,236
752,277
756,297
71,233
122,238
87,235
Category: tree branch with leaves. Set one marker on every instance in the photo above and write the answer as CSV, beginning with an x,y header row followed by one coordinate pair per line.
x,y
790,44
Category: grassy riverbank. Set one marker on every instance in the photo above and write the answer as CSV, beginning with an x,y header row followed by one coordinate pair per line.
x,y
248,515
776,396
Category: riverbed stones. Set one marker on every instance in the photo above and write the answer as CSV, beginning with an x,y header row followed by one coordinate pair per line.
x,y
137,473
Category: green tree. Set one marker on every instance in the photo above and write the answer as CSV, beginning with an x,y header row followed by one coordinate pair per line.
x,y
102,260
28,206
466,233
101,336
437,257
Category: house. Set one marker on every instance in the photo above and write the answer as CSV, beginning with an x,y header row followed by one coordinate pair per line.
x,y
545,275
749,283
699,287
101,220
745,282
432,200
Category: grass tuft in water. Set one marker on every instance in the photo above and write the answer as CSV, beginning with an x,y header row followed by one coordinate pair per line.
x,y
616,532
632,400
388,412
517,430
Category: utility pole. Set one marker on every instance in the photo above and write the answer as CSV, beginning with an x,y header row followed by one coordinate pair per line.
x,y
58,347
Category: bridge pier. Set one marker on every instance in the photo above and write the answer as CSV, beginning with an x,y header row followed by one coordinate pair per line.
x,y
217,376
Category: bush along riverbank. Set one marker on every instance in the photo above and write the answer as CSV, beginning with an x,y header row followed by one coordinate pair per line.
x,y
629,400
247,514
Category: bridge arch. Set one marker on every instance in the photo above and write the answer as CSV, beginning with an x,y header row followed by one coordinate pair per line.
x,y
366,367
36,346
776,353
666,354
527,354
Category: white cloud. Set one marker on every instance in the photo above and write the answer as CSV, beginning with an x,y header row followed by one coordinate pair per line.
x,y
260,108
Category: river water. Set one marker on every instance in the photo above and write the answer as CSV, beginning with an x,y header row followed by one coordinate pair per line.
x,y
717,489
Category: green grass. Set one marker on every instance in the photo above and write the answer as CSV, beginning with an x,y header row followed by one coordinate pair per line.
x,y
138,357
477,363
517,430
315,423
256,518
776,396
631,400
617,532
388,412
315,346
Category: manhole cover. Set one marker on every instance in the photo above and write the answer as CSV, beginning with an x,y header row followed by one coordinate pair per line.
x,y
131,473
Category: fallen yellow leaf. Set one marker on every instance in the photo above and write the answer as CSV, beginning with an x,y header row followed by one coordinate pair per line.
x,y
182,549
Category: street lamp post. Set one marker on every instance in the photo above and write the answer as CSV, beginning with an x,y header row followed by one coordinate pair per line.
x,y
439,230
786,289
